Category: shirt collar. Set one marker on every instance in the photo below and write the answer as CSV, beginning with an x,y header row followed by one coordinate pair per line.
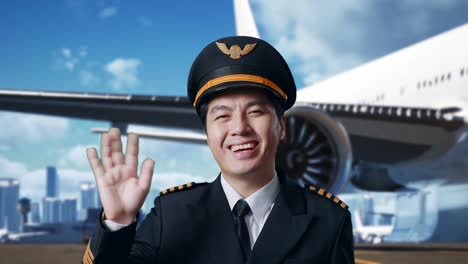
x,y
260,201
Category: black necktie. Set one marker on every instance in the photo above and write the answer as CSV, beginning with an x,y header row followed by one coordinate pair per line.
x,y
241,209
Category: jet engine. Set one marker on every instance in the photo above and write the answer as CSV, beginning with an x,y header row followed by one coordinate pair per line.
x,y
316,149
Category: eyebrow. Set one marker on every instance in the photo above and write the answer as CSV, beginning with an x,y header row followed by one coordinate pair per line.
x,y
249,104
220,107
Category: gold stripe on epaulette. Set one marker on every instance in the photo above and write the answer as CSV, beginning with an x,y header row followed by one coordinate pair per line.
x,y
321,191
180,188
343,205
312,188
329,195
336,200
88,257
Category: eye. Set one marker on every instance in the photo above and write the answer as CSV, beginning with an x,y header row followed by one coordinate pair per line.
x,y
256,112
221,117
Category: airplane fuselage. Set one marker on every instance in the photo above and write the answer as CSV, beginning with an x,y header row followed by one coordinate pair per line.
x,y
430,74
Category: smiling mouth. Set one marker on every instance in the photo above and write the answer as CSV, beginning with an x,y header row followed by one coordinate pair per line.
x,y
243,147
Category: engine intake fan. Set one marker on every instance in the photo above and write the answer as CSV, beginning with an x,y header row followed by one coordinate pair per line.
x,y
316,149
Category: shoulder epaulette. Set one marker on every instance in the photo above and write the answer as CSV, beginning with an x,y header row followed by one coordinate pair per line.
x,y
183,187
322,192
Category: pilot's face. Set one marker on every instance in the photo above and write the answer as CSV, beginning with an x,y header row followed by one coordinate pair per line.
x,y
243,132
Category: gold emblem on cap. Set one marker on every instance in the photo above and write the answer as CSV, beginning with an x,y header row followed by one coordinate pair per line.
x,y
235,52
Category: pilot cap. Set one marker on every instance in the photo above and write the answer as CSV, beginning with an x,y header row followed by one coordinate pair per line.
x,y
240,62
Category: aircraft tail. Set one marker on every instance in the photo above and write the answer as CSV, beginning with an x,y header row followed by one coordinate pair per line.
x,y
245,23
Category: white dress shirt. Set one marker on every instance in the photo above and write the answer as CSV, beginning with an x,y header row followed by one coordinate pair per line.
x,y
261,202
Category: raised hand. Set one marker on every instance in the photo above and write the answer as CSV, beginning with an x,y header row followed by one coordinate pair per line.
x,y
121,191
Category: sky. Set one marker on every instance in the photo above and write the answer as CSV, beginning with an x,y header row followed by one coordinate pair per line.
x,y
147,47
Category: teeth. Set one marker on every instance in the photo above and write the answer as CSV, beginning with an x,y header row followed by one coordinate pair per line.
x,y
243,146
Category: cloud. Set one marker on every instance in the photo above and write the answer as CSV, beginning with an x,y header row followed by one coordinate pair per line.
x,y
88,79
124,72
31,128
11,169
83,51
64,59
4,148
324,38
108,12
145,21
66,53
75,157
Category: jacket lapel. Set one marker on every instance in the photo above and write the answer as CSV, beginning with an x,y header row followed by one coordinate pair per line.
x,y
214,221
284,227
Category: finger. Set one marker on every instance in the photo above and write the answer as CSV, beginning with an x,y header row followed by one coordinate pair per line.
x,y
95,163
131,155
146,174
117,155
116,146
106,152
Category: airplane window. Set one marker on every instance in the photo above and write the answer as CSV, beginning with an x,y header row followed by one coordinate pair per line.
x,y
436,80
462,71
418,85
424,84
429,83
442,78
448,76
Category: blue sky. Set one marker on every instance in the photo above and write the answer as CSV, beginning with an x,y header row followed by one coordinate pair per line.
x,y
147,47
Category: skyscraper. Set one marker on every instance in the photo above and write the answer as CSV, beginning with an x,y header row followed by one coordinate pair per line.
x,y
51,210
88,195
52,182
35,216
9,196
68,211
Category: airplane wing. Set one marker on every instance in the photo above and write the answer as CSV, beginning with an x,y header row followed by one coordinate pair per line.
x,y
120,109
393,134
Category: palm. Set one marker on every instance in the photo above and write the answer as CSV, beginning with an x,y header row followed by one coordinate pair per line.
x,y
121,191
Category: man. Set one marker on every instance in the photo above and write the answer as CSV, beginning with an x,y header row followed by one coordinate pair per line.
x,y
240,87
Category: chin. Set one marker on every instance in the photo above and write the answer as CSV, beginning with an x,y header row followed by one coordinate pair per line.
x,y
245,170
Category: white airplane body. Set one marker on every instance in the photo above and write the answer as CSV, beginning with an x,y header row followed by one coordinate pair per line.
x,y
370,233
429,74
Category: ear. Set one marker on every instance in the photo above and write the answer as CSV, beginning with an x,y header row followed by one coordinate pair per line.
x,y
282,128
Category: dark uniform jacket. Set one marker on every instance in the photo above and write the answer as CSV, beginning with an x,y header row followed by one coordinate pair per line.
x,y
194,225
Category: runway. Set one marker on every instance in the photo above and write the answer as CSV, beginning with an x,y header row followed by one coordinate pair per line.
x,y
364,254
411,253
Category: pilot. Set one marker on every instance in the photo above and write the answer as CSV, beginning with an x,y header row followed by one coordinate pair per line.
x,y
240,88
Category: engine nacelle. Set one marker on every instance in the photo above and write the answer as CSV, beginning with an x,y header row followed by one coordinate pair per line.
x,y
316,149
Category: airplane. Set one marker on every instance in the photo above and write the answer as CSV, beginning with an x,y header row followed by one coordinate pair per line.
x,y
374,234
358,127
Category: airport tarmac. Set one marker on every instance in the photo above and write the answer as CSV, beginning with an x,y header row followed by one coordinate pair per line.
x,y
384,254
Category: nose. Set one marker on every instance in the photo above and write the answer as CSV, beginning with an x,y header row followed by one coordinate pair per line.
x,y
240,125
